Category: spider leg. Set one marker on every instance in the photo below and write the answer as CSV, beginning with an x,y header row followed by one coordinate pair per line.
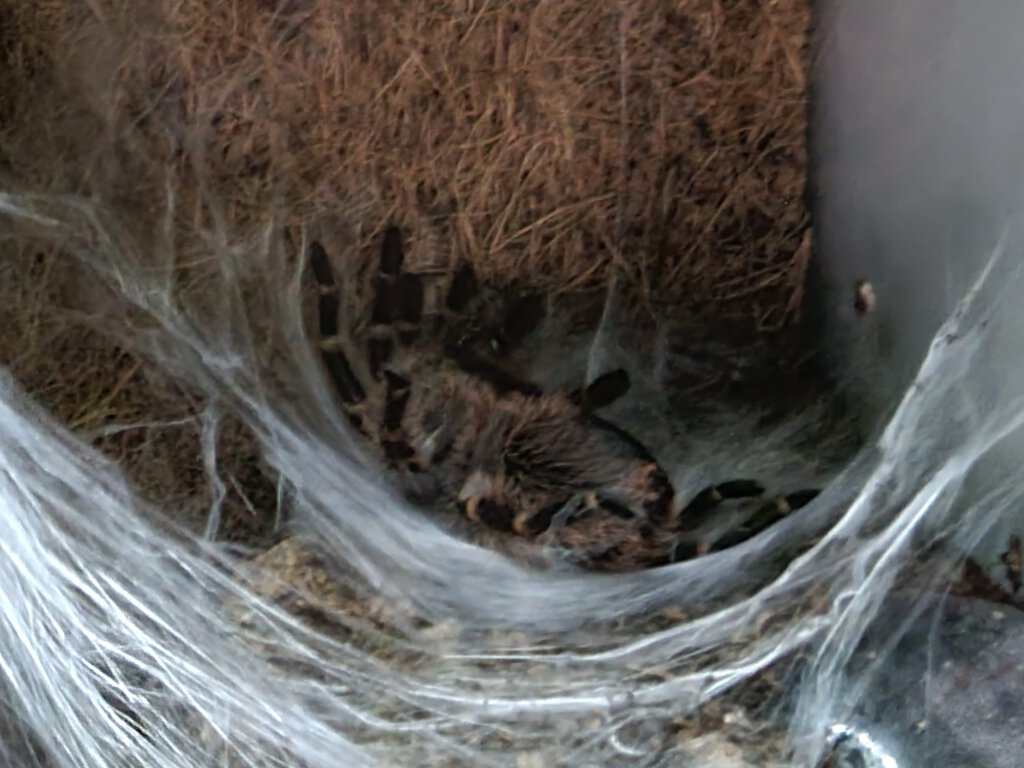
x,y
397,311
502,380
701,509
709,498
339,369
602,391
491,513
397,305
522,318
518,320
392,252
396,445
395,401
766,516
463,288
532,523
398,295
476,352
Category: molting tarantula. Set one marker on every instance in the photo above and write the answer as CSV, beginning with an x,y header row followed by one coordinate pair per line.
x,y
425,377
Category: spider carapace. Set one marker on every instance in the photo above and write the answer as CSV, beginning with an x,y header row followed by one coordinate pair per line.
x,y
425,378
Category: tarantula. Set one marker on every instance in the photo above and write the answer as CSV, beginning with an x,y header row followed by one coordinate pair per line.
x,y
432,391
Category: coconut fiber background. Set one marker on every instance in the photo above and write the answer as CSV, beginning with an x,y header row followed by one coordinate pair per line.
x,y
555,144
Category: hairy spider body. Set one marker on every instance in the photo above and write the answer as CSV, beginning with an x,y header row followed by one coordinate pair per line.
x,y
434,396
